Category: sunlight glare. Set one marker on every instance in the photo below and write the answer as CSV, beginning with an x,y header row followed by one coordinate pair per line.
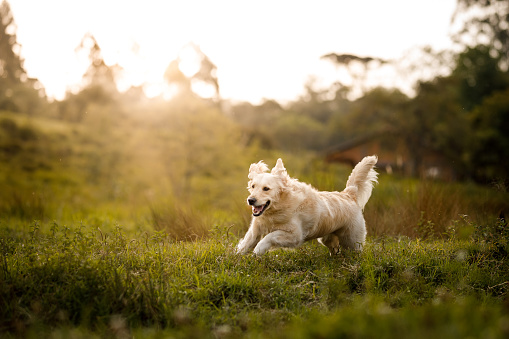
x,y
254,60
203,89
189,60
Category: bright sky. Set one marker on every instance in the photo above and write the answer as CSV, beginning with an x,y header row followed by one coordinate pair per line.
x,y
262,49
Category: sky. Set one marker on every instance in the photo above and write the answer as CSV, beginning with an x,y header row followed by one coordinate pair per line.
x,y
264,49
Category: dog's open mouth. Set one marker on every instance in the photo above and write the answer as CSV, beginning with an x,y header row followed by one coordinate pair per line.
x,y
258,210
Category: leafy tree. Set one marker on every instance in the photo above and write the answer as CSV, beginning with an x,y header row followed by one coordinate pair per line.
x,y
207,73
11,64
98,84
437,122
203,72
479,75
174,76
18,92
248,116
448,115
380,109
489,145
484,22
314,103
481,83
356,66
199,155
297,132
98,73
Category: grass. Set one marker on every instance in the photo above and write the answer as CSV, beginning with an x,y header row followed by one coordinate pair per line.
x,y
82,281
138,221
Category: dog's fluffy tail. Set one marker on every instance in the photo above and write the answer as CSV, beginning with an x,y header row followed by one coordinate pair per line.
x,y
363,178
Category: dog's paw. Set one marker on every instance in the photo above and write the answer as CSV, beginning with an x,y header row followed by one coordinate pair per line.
x,y
260,249
334,251
241,249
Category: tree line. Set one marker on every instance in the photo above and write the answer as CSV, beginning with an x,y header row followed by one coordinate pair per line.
x,y
462,114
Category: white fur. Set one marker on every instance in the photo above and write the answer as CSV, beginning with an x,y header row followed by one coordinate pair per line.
x,y
287,212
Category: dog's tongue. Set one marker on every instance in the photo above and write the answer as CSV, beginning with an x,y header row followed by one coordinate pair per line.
x,y
257,209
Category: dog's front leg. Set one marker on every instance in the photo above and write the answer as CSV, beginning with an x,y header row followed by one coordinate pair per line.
x,y
278,239
250,240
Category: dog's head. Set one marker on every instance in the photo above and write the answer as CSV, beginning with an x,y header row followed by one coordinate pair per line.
x,y
265,188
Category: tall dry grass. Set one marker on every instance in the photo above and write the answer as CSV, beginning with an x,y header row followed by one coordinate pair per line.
x,y
180,222
425,208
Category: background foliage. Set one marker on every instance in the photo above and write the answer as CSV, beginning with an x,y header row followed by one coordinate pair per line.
x,y
101,154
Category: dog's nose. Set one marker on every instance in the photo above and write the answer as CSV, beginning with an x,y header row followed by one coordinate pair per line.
x,y
251,201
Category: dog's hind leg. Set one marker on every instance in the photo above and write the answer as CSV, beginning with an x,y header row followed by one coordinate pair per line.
x,y
331,241
354,235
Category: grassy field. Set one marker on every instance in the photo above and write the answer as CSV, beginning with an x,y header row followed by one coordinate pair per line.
x,y
128,228
80,282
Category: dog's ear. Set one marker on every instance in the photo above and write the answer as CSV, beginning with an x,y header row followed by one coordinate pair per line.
x,y
257,168
279,169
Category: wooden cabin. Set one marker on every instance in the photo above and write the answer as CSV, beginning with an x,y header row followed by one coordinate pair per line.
x,y
393,156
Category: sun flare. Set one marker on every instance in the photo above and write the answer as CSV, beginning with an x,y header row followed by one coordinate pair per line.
x,y
254,60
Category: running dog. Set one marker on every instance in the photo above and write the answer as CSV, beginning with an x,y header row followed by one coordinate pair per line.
x,y
287,212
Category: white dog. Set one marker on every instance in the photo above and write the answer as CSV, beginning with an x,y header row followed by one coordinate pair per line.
x,y
287,212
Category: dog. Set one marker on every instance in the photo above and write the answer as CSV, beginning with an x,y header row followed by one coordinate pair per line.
x,y
286,212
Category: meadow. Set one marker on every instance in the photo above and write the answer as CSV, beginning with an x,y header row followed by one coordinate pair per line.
x,y
127,228
83,282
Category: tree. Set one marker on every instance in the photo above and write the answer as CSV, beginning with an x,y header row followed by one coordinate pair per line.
x,y
436,122
314,102
479,75
99,86
357,67
462,116
98,73
18,93
483,22
192,72
198,154
489,146
296,132
174,76
11,64
482,28
207,73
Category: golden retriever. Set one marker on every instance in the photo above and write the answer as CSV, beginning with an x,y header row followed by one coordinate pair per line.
x,y
287,212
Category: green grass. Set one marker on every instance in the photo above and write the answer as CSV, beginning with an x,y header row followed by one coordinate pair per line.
x,y
81,281
139,218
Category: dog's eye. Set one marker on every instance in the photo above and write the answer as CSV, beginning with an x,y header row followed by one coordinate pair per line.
x,y
252,186
266,188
